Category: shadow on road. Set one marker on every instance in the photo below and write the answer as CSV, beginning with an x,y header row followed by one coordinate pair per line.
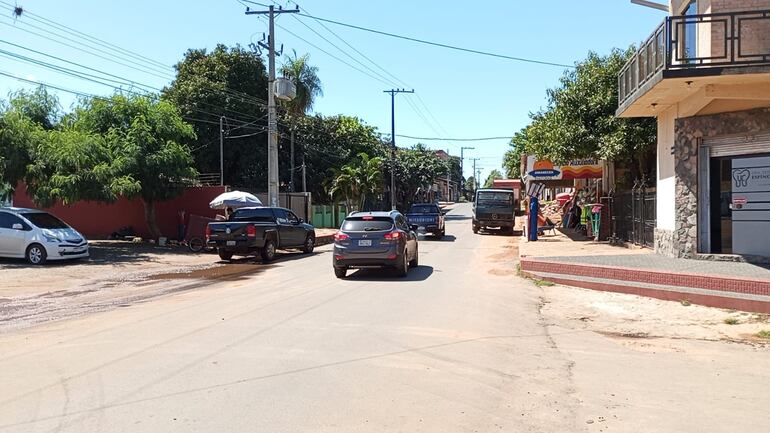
x,y
446,238
420,273
457,217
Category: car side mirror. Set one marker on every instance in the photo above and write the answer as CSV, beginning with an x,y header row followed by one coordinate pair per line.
x,y
300,221
413,227
443,212
17,226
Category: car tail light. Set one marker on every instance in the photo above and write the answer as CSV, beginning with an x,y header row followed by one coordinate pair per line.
x,y
392,236
251,231
341,236
208,233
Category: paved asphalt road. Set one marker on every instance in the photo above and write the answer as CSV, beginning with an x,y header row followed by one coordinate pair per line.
x,y
458,346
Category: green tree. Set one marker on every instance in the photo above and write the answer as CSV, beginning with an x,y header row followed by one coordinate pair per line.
x,y
416,168
512,158
580,121
470,184
230,82
130,146
23,122
328,143
357,181
494,174
305,78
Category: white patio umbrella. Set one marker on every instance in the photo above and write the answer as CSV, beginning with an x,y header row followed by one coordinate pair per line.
x,y
234,199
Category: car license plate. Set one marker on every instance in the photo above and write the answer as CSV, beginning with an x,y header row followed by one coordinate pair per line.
x,y
230,243
365,243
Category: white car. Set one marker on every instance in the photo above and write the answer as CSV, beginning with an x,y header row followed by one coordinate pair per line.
x,y
38,236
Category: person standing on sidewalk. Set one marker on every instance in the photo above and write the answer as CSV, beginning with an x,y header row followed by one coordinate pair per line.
x,y
181,227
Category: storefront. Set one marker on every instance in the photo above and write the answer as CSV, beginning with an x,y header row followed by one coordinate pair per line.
x,y
734,204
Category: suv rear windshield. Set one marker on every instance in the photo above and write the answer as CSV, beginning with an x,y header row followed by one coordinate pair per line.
x,y
253,215
424,208
45,220
499,198
367,225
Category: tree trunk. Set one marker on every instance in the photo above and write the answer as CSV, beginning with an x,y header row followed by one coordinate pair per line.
x,y
149,218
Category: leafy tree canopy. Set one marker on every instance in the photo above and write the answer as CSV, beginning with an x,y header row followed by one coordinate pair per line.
x,y
494,174
580,121
230,82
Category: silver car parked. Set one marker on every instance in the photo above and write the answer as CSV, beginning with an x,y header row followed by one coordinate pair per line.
x,y
38,236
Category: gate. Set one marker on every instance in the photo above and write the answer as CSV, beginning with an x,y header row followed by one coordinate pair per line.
x,y
634,215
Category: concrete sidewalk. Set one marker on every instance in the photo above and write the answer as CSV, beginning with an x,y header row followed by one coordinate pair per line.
x,y
596,265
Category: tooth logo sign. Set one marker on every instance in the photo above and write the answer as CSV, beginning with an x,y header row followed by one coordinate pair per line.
x,y
741,177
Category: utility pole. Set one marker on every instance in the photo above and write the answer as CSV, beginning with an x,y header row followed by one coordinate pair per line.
x,y
304,174
448,177
221,152
475,176
462,165
272,117
291,170
393,93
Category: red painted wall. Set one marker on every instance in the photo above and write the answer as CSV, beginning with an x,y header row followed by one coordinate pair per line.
x,y
99,220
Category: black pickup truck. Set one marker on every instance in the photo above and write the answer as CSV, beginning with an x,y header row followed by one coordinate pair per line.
x,y
260,230
428,218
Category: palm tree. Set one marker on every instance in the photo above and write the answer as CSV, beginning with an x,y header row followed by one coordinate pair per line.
x,y
305,78
345,184
369,176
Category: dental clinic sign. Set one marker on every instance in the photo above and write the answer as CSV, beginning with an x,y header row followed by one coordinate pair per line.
x,y
751,179
543,169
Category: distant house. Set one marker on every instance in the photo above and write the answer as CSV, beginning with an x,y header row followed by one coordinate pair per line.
x,y
704,73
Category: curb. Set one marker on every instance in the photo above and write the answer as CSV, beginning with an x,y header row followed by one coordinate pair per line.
x,y
736,293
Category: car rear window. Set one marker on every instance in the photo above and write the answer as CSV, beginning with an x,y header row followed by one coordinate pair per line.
x,y
367,225
45,220
424,208
255,215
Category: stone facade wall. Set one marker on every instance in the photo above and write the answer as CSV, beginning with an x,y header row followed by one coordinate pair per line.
x,y
664,243
689,131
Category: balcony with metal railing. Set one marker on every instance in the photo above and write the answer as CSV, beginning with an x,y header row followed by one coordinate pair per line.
x,y
686,49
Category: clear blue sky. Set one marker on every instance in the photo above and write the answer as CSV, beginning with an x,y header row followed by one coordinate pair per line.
x,y
469,95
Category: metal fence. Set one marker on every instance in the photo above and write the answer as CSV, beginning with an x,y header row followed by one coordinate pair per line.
x,y
634,216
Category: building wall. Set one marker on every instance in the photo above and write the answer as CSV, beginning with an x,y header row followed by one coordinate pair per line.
x,y
665,181
688,133
99,220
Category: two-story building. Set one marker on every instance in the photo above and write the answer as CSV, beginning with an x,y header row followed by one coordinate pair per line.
x,y
704,73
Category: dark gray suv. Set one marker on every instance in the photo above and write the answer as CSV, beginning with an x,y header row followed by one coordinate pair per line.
x,y
375,240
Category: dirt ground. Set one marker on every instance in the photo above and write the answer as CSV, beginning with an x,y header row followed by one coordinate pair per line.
x,y
110,261
648,323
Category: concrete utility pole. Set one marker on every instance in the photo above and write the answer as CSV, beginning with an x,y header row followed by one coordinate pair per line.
x,y
393,93
448,177
475,176
221,152
272,117
462,165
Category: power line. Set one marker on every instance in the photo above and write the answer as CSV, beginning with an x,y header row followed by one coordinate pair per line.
x,y
452,139
134,67
439,44
368,68
332,55
73,31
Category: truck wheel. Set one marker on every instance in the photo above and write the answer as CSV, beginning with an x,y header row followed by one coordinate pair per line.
x,y
309,245
475,228
340,272
225,255
268,251
36,254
